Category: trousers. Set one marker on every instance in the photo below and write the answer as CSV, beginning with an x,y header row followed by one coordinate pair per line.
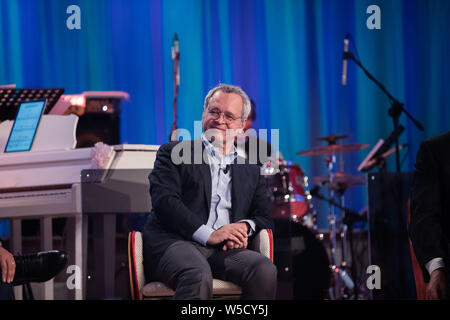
x,y
6,290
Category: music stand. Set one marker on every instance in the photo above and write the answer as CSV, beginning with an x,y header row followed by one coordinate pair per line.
x,y
7,86
381,149
11,98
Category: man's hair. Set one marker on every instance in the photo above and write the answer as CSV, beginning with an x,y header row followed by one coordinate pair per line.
x,y
229,88
252,114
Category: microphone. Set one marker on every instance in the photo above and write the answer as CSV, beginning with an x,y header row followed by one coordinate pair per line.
x,y
227,167
176,57
344,61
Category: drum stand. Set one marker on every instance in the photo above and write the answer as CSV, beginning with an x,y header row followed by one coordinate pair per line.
x,y
342,286
341,281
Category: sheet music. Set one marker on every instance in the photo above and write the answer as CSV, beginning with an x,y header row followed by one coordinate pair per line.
x,y
25,126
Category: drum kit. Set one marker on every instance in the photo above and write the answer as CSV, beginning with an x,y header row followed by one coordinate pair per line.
x,y
290,198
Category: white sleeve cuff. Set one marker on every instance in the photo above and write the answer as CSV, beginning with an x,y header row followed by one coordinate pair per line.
x,y
202,234
434,264
252,226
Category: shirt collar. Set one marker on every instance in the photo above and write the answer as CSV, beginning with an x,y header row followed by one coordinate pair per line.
x,y
215,154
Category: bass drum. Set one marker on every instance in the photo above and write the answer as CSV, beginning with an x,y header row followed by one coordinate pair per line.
x,y
302,261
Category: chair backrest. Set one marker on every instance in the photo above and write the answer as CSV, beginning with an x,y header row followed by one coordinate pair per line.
x,y
421,286
135,264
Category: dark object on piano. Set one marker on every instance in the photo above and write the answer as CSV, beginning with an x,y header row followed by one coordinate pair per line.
x,y
100,121
10,100
39,267
96,127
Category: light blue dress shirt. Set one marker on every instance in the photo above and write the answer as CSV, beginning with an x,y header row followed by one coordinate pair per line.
x,y
219,214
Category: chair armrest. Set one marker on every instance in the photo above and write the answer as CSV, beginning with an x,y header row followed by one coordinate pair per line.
x,y
136,264
263,243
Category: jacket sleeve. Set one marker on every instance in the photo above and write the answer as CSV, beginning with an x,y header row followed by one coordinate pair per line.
x,y
259,209
165,191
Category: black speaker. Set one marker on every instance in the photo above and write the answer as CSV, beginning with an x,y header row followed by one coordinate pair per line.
x,y
100,122
98,127
388,237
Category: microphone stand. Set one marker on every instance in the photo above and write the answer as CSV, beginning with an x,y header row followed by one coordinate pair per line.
x,y
395,112
176,84
350,217
396,107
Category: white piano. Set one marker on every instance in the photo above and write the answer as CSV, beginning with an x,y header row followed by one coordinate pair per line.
x,y
48,184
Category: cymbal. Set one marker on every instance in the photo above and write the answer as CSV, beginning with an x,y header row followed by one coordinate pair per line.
x,y
332,149
332,138
340,180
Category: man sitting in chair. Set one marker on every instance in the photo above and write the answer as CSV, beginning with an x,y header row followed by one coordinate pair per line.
x,y
207,207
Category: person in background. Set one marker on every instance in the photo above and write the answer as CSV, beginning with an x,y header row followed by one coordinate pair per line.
x,y
255,147
7,270
20,269
429,227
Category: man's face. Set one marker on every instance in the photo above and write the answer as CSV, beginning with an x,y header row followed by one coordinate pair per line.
x,y
228,108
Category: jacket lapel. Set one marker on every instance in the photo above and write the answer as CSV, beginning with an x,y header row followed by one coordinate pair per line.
x,y
237,187
205,173
206,176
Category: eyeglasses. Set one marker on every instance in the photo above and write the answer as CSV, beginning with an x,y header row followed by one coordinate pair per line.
x,y
228,117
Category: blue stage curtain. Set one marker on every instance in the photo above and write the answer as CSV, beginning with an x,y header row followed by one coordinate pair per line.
x,y
286,54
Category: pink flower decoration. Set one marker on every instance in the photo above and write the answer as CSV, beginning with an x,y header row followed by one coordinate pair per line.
x,y
101,155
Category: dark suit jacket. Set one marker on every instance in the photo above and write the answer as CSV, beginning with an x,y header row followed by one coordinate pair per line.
x,y
181,199
429,228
